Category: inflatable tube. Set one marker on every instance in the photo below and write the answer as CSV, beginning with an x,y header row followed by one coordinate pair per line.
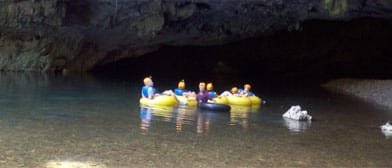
x,y
256,101
187,101
214,107
239,101
219,100
161,100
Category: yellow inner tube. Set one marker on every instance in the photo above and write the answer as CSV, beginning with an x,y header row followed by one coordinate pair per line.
x,y
187,101
219,100
256,101
239,101
161,100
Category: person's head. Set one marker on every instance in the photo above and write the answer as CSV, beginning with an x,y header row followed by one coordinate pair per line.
x,y
202,86
234,90
210,87
148,81
247,87
181,84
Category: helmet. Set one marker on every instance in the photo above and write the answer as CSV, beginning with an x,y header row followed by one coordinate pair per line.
x,y
234,90
147,80
210,86
181,84
247,86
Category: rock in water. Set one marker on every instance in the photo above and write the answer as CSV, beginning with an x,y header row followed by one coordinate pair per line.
x,y
296,113
386,129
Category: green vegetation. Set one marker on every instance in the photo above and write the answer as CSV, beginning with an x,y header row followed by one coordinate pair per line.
x,y
335,7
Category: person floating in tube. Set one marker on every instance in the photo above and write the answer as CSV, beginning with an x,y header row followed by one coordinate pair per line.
x,y
202,96
181,88
246,91
148,90
232,92
211,92
181,91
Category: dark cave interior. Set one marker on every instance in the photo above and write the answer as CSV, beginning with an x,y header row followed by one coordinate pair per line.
x,y
319,49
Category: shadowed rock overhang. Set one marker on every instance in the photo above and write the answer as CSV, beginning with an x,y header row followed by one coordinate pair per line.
x,y
57,35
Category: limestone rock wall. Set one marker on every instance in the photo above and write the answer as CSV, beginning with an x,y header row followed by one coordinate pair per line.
x,y
77,35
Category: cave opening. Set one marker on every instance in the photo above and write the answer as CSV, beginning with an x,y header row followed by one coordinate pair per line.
x,y
319,50
234,83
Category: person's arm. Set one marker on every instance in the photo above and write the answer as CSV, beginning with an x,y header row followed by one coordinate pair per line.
x,y
150,93
190,94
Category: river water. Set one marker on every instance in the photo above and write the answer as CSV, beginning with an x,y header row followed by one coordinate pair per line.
x,y
86,121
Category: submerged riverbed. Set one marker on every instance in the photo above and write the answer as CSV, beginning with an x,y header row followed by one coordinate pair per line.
x,y
52,121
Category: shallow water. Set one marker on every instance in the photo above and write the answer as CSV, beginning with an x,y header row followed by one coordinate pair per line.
x,y
48,121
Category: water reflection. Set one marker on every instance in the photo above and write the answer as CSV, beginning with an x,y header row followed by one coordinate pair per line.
x,y
184,116
179,116
36,81
145,118
201,121
160,113
239,115
206,119
239,118
387,134
296,126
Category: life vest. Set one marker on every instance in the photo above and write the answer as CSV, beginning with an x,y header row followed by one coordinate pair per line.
x,y
243,91
146,89
202,97
211,94
179,92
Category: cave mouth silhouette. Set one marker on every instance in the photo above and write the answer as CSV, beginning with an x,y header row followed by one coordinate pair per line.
x,y
321,49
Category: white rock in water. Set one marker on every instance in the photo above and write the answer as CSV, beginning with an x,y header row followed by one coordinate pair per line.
x,y
296,113
387,130
387,127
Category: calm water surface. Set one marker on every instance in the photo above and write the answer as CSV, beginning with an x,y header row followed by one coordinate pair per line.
x,y
48,121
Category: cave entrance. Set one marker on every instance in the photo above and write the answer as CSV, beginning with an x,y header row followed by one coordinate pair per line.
x,y
321,49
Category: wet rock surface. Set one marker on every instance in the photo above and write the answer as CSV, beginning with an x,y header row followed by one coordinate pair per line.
x,y
376,91
65,35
